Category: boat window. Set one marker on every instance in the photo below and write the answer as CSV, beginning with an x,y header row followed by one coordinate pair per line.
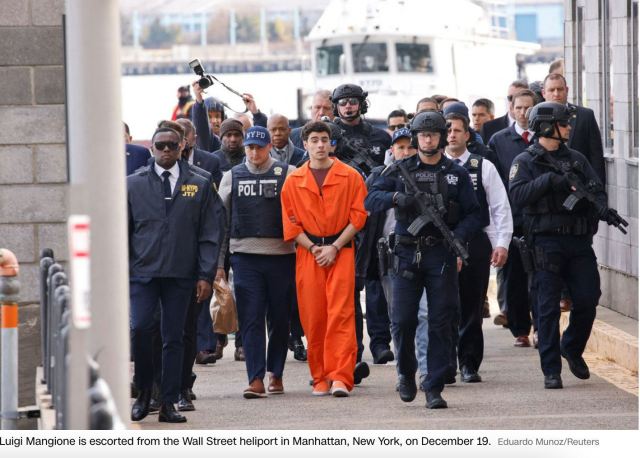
x,y
370,57
328,60
413,57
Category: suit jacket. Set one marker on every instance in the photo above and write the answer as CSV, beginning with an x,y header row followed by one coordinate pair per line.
x,y
508,144
137,156
586,139
494,126
296,138
208,162
298,154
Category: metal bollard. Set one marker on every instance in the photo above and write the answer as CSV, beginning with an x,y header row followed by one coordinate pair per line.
x,y
62,297
63,409
58,279
9,291
53,269
45,263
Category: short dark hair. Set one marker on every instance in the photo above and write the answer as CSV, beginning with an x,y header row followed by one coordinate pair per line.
x,y
397,114
488,104
438,98
314,126
173,126
448,99
427,100
556,64
165,129
460,117
520,83
553,77
126,128
525,93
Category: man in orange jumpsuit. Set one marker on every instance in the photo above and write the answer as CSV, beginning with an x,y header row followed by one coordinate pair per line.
x,y
322,209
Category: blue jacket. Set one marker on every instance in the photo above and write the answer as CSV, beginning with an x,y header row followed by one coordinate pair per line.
x,y
181,243
208,162
194,168
137,156
296,137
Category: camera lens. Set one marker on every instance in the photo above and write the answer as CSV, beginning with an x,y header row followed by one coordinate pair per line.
x,y
204,82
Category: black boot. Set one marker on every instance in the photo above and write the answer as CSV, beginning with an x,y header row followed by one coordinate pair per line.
x,y
577,366
469,375
184,402
407,387
154,405
168,414
435,401
141,407
297,347
361,371
552,382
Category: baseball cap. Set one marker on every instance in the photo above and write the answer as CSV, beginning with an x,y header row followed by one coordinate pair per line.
x,y
404,132
257,135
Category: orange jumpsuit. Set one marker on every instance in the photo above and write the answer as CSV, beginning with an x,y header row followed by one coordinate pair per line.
x,y
325,294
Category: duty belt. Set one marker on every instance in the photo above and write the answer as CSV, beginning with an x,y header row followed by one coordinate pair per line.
x,y
418,241
326,240
580,227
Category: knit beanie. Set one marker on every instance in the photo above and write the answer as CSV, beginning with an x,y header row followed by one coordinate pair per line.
x,y
230,124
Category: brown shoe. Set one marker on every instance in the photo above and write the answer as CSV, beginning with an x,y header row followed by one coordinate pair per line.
x,y
255,390
535,339
239,354
522,341
205,357
500,320
275,385
222,342
565,305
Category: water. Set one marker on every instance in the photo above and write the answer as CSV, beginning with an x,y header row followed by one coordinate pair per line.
x,y
148,99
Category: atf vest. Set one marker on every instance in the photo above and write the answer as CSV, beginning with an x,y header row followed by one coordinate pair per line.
x,y
438,183
474,167
256,210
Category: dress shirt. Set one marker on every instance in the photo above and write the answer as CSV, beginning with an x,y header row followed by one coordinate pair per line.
x,y
173,178
521,131
500,229
284,154
511,120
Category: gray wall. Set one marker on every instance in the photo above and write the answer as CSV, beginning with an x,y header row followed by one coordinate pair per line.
x,y
33,164
617,253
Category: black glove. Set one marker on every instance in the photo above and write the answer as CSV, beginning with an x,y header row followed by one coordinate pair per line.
x,y
405,200
604,214
559,182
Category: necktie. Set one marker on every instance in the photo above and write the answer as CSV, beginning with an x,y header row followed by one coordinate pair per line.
x,y
167,190
457,161
525,135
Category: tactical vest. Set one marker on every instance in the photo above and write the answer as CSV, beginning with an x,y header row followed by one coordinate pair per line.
x,y
474,167
362,138
433,182
256,210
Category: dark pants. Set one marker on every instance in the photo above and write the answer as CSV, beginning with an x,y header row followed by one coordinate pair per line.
x,y
437,273
173,294
578,268
294,320
517,291
264,287
474,282
189,339
359,318
206,338
378,324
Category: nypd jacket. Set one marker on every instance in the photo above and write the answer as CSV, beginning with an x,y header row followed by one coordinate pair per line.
x,y
183,242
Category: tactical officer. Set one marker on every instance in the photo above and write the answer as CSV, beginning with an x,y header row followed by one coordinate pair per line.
x,y
263,263
559,222
349,104
167,259
423,257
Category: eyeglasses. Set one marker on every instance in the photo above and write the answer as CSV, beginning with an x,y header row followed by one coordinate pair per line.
x,y
160,146
396,127
351,101
425,135
334,142
563,123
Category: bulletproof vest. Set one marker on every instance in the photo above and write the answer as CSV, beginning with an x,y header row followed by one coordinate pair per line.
x,y
362,138
474,167
255,202
434,182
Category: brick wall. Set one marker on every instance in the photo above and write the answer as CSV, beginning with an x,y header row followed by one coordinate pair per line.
x,y
33,162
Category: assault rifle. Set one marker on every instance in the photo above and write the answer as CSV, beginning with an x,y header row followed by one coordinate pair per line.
x,y
355,155
431,210
582,191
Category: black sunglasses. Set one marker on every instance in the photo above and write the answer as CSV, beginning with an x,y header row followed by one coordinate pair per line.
x,y
396,127
563,123
160,146
352,101
509,98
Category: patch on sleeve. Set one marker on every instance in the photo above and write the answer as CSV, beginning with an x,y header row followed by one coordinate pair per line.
x,y
513,172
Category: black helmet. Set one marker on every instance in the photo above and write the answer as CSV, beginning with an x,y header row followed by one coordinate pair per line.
x,y
336,131
429,121
347,91
542,118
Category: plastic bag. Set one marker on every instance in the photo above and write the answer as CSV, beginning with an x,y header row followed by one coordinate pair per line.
x,y
223,309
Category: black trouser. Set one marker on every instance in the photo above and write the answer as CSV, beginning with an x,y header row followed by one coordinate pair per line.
x,y
189,339
517,291
294,320
359,318
474,282
378,322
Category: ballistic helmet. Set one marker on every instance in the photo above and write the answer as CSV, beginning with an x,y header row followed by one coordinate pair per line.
x,y
543,116
345,91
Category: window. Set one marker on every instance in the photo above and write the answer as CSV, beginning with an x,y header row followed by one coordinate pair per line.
x,y
634,77
607,74
414,57
370,57
328,60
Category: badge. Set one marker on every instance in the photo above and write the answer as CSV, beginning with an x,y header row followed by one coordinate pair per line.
x,y
513,171
277,171
474,163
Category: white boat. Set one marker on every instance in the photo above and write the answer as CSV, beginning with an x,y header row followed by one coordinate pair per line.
x,y
403,50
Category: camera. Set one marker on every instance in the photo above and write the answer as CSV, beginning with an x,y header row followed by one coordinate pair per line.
x,y
205,81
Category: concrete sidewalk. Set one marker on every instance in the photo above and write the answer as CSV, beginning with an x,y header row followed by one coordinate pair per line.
x,y
511,397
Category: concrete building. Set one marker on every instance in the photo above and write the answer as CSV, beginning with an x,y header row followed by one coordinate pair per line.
x,y
601,64
539,21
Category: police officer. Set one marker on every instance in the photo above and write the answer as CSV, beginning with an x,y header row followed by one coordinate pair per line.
x,y
425,261
560,239
263,263
167,259
349,104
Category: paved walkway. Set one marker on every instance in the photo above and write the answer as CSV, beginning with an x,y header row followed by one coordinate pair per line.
x,y
511,397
